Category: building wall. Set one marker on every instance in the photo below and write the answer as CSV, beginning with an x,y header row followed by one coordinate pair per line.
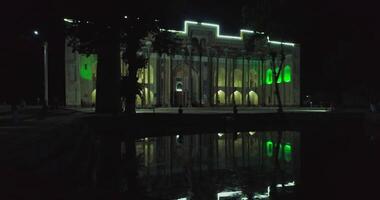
x,y
229,75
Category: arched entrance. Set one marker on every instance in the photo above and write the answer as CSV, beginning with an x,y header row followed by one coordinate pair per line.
x,y
238,98
93,97
138,101
219,97
252,98
148,96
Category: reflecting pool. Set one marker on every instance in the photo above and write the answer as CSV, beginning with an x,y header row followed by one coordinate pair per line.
x,y
238,165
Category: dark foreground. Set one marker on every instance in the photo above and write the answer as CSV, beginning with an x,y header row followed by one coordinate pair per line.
x,y
71,155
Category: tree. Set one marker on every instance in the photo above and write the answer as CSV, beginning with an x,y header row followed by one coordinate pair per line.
x,y
107,38
168,43
268,16
199,46
100,37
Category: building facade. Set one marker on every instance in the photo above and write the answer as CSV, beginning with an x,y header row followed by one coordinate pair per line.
x,y
210,69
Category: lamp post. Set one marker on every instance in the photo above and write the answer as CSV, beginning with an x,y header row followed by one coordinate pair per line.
x,y
46,80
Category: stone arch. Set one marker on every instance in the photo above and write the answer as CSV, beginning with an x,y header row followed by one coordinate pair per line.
x,y
238,78
287,74
253,78
220,95
252,98
148,94
269,76
138,101
93,97
238,97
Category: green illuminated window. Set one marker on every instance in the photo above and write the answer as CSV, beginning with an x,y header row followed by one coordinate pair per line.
x,y
279,80
87,66
269,148
287,74
269,77
288,152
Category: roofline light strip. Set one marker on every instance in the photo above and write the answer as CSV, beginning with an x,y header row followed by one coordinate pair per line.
x,y
283,43
68,20
218,35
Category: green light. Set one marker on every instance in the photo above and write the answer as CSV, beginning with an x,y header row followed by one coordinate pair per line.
x,y
87,66
287,74
269,148
279,80
269,77
288,152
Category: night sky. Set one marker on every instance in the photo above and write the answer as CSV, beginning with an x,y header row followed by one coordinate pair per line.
x,y
338,39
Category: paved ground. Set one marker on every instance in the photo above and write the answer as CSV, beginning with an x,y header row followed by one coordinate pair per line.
x,y
215,110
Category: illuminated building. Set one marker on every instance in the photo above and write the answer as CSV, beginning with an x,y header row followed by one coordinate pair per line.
x,y
218,71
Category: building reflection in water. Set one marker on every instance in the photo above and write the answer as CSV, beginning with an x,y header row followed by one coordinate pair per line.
x,y
172,166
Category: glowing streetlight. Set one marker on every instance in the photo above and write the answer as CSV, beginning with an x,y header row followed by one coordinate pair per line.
x,y
46,83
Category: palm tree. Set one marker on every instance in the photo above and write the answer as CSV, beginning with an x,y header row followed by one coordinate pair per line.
x,y
199,45
167,43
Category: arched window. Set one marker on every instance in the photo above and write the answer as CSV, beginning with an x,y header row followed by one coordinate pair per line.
x,y
252,98
279,80
238,78
87,66
288,152
269,148
93,96
219,97
269,77
287,74
237,97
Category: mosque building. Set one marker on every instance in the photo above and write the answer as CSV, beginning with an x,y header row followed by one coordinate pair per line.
x,y
217,71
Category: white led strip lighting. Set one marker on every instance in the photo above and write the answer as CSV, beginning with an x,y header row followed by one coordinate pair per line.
x,y
218,35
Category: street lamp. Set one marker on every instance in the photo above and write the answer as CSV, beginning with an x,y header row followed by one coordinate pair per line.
x,y
46,83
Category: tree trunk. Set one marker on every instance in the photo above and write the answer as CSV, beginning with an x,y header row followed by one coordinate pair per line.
x,y
132,87
277,75
108,74
171,83
200,78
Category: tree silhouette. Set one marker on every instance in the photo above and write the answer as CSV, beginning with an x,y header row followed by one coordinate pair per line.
x,y
109,38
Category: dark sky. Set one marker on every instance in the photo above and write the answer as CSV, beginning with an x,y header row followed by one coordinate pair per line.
x,y
338,38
